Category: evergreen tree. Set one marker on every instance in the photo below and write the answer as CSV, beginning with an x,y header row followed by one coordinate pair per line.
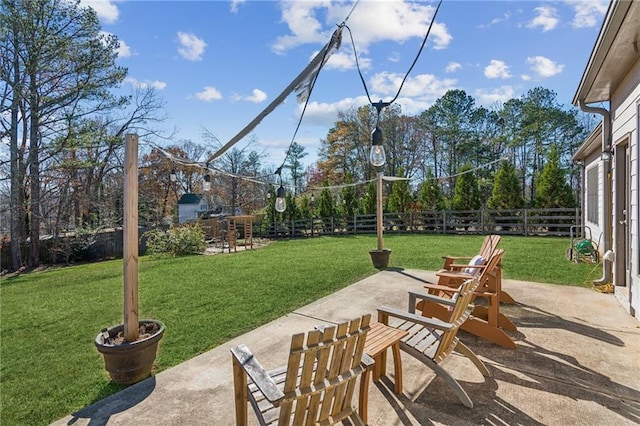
x,y
401,198
553,190
326,206
349,205
507,192
292,212
369,200
270,213
305,209
431,197
466,194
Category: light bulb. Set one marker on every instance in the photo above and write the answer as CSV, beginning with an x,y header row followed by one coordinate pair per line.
x,y
377,156
206,185
281,203
173,176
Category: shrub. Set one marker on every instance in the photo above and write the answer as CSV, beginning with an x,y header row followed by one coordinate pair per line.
x,y
176,241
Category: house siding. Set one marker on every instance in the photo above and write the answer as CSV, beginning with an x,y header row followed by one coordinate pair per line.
x,y
625,103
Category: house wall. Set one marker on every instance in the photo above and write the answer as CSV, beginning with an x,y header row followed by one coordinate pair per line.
x,y
625,106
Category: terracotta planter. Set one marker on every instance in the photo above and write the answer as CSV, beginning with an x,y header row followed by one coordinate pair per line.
x,y
129,363
380,258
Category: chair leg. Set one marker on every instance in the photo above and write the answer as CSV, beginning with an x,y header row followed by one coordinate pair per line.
x,y
506,298
496,335
363,397
240,392
464,350
453,383
503,322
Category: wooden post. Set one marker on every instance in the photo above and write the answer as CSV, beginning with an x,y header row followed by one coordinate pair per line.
x,y
379,223
130,238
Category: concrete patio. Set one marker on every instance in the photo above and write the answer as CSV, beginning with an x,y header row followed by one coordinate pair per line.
x,y
577,362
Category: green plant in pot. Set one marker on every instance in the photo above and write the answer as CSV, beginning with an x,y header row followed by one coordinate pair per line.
x,y
129,349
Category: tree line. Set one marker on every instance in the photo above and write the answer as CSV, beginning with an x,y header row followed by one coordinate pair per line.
x,y
63,119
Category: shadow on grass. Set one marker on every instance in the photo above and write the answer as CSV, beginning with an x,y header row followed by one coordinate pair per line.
x,y
101,410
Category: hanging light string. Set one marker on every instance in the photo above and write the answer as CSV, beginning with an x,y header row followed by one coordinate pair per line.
x,y
327,52
258,179
380,105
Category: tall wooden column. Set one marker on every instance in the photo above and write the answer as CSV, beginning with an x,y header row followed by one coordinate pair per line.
x,y
130,238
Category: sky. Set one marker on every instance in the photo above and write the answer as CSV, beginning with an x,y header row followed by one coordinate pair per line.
x,y
218,64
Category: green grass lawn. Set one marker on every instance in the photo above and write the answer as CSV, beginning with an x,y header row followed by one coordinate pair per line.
x,y
48,320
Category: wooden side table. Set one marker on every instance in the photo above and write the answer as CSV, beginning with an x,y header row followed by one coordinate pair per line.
x,y
379,338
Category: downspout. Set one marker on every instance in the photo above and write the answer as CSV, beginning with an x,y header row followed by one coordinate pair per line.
x,y
606,184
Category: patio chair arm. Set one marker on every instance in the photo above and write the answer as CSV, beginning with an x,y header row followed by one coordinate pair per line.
x,y
413,295
457,257
444,288
367,361
459,266
258,374
418,319
453,274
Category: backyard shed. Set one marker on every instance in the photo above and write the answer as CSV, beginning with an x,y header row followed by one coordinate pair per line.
x,y
190,206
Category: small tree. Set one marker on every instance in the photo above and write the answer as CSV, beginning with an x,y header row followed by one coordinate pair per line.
x,y
431,197
466,194
369,200
349,205
400,199
326,208
507,193
553,190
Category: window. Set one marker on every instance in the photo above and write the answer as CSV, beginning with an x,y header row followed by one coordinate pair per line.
x,y
592,194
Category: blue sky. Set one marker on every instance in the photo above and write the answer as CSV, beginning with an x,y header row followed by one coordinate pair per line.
x,y
217,64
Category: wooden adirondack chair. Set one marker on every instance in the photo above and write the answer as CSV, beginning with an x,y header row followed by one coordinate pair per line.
x,y
317,385
489,245
485,321
458,263
431,340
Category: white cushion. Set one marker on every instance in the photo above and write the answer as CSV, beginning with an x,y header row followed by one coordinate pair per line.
x,y
475,260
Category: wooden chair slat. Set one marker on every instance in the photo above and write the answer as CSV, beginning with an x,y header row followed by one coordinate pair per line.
x,y
317,383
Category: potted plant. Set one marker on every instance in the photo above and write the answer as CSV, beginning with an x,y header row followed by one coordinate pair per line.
x,y
129,349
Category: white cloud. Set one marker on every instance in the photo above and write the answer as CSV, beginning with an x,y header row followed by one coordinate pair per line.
x,y
488,98
124,51
257,96
346,61
393,57
209,93
235,4
587,13
546,18
379,21
192,47
452,67
145,84
423,87
106,10
497,69
544,67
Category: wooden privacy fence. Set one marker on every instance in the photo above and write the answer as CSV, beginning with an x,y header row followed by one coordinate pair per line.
x,y
107,244
527,222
